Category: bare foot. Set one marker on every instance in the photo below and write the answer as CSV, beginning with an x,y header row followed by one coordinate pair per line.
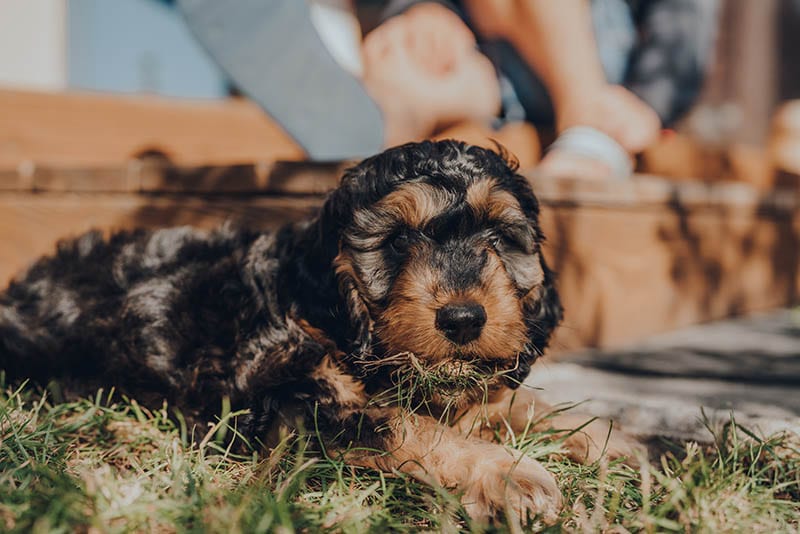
x,y
614,111
424,71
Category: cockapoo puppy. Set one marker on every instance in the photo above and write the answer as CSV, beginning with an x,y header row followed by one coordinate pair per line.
x,y
399,323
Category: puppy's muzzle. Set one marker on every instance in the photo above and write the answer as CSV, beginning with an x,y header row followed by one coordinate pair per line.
x,y
462,322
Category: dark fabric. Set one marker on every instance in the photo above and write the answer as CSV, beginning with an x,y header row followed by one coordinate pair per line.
x,y
669,64
272,52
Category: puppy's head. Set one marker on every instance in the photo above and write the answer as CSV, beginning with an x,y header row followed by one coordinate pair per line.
x,y
439,256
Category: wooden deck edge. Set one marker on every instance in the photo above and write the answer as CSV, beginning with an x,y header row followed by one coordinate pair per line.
x,y
84,129
95,130
624,273
308,178
152,176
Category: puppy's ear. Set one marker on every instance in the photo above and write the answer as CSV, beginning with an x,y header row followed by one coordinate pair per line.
x,y
542,306
360,319
542,314
330,282
543,310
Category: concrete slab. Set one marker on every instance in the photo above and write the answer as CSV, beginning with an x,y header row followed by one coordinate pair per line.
x,y
663,386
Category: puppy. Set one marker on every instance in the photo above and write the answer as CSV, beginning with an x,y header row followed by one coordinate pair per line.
x,y
399,322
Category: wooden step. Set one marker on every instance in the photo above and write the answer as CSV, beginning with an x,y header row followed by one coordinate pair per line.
x,y
634,258
90,130
69,130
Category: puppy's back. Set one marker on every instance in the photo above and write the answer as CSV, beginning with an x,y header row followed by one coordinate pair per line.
x,y
82,311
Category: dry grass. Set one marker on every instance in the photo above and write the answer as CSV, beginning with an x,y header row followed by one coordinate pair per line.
x,y
106,465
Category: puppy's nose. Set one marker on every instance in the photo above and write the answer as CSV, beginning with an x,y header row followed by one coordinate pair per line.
x,y
461,323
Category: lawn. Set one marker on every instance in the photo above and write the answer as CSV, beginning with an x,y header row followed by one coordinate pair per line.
x,y
109,465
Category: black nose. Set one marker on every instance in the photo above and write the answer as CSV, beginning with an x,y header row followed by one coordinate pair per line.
x,y
461,323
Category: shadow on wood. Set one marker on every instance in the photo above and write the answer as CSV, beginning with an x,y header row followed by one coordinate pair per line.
x,y
634,258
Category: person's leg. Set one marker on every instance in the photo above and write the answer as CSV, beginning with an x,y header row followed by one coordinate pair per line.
x,y
272,52
557,40
423,68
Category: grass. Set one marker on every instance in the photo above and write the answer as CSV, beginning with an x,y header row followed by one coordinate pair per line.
x,y
108,465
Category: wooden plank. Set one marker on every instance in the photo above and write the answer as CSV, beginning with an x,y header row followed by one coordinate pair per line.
x,y
30,224
784,144
627,269
302,178
682,157
9,180
629,273
74,130
310,178
95,130
123,178
154,176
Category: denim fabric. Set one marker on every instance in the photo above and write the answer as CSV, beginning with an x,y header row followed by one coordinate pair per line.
x,y
273,54
616,36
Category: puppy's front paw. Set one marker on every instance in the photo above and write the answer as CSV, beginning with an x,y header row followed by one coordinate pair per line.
x,y
507,482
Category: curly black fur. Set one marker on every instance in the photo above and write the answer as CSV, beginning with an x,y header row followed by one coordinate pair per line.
x,y
264,319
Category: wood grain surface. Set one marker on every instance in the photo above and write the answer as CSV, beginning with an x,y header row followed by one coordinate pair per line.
x,y
95,130
629,266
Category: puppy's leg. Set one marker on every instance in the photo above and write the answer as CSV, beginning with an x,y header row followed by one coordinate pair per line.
x,y
491,478
586,440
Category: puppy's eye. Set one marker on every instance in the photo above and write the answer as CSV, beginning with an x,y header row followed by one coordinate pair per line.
x,y
496,240
501,241
400,243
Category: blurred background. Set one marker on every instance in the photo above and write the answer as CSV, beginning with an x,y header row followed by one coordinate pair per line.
x,y
122,46
144,46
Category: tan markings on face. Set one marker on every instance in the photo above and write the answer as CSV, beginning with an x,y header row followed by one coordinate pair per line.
x,y
343,266
478,195
412,204
489,201
532,297
409,322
